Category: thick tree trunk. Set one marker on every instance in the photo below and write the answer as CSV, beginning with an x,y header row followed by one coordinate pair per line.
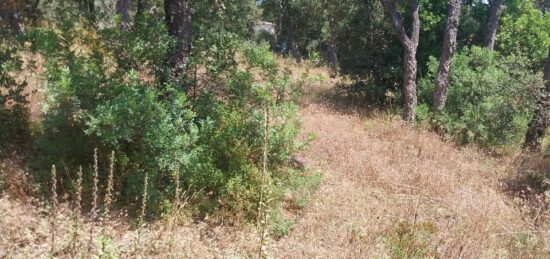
x,y
123,8
178,20
490,37
410,44
409,108
280,23
12,21
445,62
541,120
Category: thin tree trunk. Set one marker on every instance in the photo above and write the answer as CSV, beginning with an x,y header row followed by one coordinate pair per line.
x,y
140,8
410,44
90,8
32,10
294,48
492,27
123,8
541,120
332,50
332,56
445,62
178,20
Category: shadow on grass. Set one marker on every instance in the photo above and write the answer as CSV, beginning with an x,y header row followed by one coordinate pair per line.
x,y
531,185
354,98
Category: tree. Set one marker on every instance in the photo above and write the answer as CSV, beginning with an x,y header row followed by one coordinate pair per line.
x,y
140,8
495,11
541,120
178,21
410,45
123,8
10,15
445,62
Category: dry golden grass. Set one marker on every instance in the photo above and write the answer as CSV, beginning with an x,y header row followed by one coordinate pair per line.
x,y
380,176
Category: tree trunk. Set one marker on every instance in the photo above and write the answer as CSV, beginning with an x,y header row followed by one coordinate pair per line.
x,y
445,62
409,109
12,21
410,44
32,10
140,8
280,23
178,20
294,48
332,50
332,57
490,37
541,120
123,8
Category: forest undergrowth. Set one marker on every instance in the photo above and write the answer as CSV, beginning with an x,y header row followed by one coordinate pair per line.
x,y
372,187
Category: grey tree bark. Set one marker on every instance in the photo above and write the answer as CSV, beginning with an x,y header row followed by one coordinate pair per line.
x,y
492,26
178,20
123,8
332,50
294,48
410,45
445,62
12,20
140,8
541,119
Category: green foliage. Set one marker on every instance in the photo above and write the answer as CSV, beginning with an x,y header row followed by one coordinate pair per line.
x,y
524,31
14,119
412,240
108,89
280,226
490,97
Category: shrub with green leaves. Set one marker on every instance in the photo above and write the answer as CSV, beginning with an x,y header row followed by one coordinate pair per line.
x,y
14,119
489,100
108,89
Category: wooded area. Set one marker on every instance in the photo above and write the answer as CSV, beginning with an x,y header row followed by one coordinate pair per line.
x,y
144,105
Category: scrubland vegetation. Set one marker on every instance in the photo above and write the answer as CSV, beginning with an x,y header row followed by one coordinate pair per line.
x,y
356,129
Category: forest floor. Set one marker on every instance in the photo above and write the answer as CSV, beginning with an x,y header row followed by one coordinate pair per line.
x,y
388,190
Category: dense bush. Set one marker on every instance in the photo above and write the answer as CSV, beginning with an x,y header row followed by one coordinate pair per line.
x,y
524,31
13,111
490,97
107,89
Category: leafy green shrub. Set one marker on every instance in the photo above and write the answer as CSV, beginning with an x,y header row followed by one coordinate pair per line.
x,y
13,104
489,100
232,131
412,240
524,31
108,89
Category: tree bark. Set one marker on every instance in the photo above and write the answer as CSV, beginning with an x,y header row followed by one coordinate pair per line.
x,y
445,62
123,8
281,16
294,47
178,20
140,8
492,27
332,50
332,56
12,21
541,119
410,45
